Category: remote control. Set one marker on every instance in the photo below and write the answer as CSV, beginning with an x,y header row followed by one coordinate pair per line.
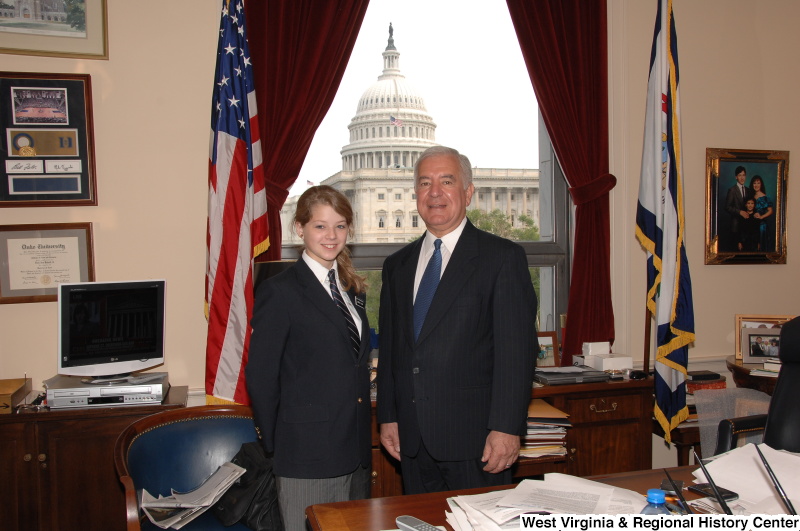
x,y
409,523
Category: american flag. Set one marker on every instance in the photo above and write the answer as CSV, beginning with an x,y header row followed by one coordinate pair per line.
x,y
237,208
397,122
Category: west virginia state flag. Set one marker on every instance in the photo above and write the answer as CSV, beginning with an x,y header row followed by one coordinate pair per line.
x,y
660,225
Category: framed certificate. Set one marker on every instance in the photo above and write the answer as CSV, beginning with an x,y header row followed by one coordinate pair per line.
x,y
46,140
35,259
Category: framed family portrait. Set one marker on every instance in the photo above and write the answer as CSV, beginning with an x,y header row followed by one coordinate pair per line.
x,y
66,28
35,259
750,327
548,355
746,206
47,139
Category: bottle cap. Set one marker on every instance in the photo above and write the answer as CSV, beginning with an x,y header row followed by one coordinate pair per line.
x,y
656,496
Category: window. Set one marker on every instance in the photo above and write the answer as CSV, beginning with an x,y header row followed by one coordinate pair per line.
x,y
536,216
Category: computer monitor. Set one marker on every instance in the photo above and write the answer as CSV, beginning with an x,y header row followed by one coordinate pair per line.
x,y
110,328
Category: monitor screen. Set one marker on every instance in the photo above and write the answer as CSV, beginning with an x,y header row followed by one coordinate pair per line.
x,y
110,328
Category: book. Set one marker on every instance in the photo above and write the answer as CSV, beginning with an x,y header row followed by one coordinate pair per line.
x,y
703,375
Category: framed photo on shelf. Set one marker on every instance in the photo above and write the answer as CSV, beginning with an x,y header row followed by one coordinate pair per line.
x,y
746,206
759,344
35,259
47,136
766,325
61,30
548,355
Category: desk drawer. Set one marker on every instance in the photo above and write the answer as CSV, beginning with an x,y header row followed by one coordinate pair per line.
x,y
604,408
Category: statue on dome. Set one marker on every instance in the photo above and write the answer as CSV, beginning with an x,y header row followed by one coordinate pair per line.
x,y
391,31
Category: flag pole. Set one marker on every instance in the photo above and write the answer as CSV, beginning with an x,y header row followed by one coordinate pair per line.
x,y
647,346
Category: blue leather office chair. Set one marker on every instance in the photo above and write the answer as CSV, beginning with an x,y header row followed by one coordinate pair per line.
x,y
781,424
178,449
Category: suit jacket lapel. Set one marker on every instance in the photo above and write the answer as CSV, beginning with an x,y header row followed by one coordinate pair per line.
x,y
460,268
406,271
317,296
362,313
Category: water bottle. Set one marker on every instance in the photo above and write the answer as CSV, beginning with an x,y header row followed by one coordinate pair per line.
x,y
655,502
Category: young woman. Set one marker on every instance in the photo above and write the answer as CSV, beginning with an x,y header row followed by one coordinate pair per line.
x,y
308,372
764,211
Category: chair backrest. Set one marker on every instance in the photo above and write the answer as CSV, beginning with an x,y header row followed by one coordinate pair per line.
x,y
178,449
782,431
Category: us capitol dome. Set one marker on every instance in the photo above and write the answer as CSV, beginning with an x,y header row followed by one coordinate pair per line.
x,y
390,129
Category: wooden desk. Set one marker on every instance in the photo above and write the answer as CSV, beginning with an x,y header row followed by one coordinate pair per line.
x,y
57,467
380,513
611,432
743,378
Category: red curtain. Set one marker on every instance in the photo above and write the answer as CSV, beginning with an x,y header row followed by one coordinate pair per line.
x,y
299,50
565,50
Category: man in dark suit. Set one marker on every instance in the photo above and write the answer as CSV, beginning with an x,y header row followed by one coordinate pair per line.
x,y
734,206
453,394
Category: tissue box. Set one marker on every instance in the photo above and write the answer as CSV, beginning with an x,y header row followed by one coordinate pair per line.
x,y
591,349
609,362
12,392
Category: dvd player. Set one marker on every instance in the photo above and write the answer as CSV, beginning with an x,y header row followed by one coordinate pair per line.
x,y
74,391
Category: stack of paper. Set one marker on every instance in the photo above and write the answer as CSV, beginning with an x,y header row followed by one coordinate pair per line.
x,y
546,432
181,508
556,494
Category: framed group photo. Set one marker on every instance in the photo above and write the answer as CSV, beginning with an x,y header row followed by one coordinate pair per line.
x,y
47,139
36,259
750,327
746,206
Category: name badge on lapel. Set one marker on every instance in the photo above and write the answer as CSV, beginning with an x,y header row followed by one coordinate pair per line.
x,y
361,301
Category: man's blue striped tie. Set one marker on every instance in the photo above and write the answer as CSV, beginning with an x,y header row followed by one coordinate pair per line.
x,y
427,287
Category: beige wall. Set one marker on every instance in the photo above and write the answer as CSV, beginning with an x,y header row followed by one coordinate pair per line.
x,y
151,106
152,103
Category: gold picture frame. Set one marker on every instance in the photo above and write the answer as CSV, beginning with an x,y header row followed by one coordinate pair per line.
x,y
746,324
71,32
734,235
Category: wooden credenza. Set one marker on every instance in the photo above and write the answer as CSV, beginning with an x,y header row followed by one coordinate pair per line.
x,y
57,467
610,433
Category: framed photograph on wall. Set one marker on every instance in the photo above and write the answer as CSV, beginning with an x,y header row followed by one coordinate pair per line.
x,y
47,139
548,355
764,324
759,344
72,28
746,206
35,259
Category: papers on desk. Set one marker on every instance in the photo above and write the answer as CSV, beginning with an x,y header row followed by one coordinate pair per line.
x,y
556,494
180,508
742,471
546,430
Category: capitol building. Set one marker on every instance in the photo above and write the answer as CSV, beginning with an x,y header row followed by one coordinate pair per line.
x,y
390,129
